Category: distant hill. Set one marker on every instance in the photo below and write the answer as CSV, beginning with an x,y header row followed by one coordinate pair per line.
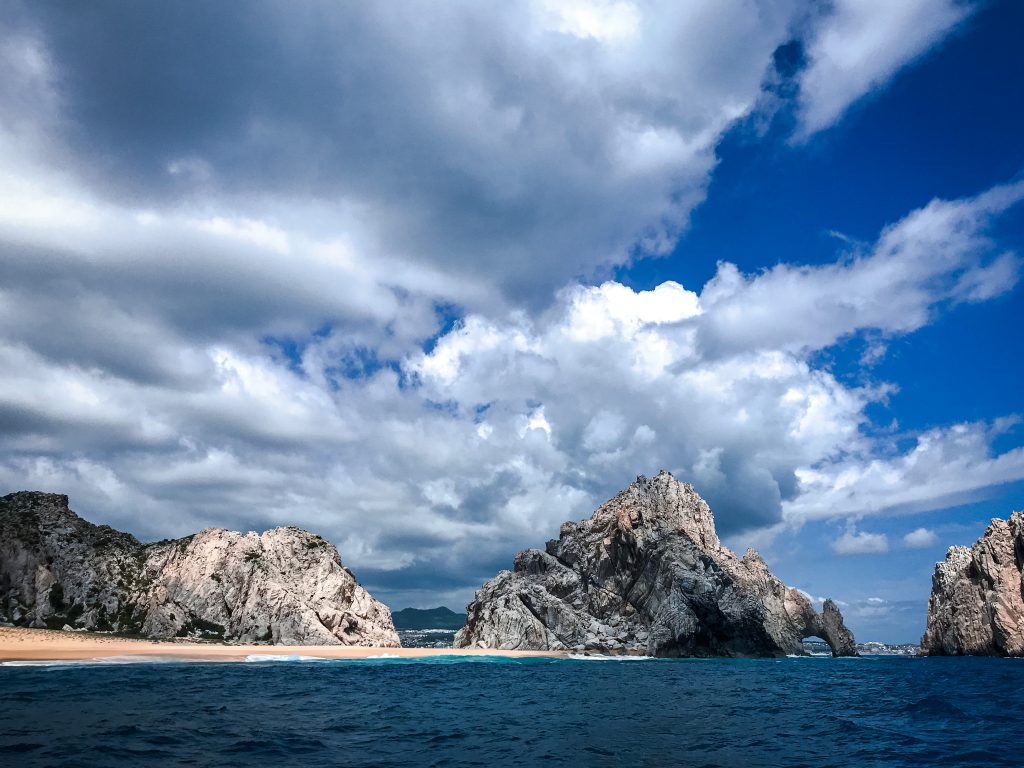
x,y
428,618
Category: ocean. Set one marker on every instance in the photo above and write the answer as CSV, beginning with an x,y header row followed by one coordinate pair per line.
x,y
814,712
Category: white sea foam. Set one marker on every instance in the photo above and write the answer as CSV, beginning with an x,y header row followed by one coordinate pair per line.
x,y
427,632
259,657
90,662
809,656
601,657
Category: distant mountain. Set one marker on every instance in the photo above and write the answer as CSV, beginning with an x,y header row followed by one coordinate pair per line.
x,y
428,618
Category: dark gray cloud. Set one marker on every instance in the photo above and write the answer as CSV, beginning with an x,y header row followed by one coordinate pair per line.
x,y
473,137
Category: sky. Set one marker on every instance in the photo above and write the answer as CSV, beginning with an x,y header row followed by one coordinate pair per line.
x,y
430,279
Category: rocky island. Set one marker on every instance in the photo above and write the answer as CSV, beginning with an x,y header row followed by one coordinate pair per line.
x,y
977,602
284,586
647,574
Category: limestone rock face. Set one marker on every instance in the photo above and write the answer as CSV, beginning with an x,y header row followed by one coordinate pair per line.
x,y
647,574
285,586
977,601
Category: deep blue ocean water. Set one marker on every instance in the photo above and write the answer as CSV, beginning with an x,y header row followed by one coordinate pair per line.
x,y
874,711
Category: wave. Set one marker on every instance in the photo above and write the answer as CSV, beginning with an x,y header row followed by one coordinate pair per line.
x,y
809,656
437,631
602,657
262,657
93,661
934,706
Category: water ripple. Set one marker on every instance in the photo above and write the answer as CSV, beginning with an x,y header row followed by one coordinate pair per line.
x,y
721,713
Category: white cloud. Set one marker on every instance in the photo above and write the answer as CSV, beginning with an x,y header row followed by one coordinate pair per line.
x,y
920,538
252,231
859,45
604,20
854,542
448,459
872,608
946,465
613,309
933,256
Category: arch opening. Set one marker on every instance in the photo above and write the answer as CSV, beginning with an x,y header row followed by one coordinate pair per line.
x,y
814,645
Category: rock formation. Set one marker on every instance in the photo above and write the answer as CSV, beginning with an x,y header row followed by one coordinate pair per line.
x,y
977,601
284,586
646,574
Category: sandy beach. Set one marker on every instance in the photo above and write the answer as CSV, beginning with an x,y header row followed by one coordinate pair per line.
x,y
20,644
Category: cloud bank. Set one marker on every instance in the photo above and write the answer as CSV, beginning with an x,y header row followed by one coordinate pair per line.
x,y
455,453
346,267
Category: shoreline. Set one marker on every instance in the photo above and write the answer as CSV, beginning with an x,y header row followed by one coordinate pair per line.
x,y
20,644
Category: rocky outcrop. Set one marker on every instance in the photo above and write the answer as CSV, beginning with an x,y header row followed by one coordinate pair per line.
x,y
647,574
284,586
977,601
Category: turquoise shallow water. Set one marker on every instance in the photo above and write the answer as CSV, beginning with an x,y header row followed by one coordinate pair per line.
x,y
873,711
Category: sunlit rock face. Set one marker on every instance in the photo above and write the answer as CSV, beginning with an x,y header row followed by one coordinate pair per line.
x,y
647,574
285,586
977,602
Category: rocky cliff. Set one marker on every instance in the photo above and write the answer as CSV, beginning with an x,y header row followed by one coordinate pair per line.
x,y
977,601
646,574
283,586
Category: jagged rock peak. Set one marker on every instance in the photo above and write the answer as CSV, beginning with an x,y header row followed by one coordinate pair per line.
x,y
647,574
282,586
657,502
977,601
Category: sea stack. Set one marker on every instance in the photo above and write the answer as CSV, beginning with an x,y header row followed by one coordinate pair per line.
x,y
976,607
284,586
647,574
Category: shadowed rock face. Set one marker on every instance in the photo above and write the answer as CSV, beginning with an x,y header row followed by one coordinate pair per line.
x,y
977,602
646,574
283,586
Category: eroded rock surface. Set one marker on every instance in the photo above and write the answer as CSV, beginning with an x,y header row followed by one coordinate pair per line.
x,y
284,586
647,574
977,601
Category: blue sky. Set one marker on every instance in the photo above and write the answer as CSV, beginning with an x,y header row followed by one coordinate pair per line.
x,y
946,127
430,280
